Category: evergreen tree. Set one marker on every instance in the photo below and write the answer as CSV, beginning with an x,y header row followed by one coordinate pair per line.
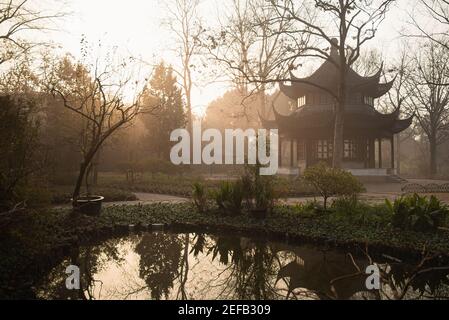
x,y
163,91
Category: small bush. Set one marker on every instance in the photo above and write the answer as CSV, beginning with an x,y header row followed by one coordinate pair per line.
x,y
308,208
331,182
199,196
418,213
357,212
260,192
229,197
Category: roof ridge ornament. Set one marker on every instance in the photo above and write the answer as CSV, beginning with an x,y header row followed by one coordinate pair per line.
x,y
334,49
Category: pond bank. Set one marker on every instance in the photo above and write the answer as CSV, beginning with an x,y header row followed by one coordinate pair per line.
x,y
54,233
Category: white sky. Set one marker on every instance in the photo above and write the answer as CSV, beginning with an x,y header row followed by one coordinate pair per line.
x,y
134,26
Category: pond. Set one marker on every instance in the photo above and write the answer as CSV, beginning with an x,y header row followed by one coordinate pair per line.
x,y
197,266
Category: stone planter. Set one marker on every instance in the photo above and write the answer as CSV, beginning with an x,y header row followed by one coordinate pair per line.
x,y
90,205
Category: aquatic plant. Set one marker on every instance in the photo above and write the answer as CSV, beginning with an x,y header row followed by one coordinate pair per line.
x,y
199,196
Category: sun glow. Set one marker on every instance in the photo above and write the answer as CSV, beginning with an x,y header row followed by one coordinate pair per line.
x,y
136,28
130,28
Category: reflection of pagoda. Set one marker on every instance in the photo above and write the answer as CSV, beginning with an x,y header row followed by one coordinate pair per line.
x,y
306,134
326,275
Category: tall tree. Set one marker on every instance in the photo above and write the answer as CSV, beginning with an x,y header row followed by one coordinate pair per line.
x,y
397,97
429,98
19,143
250,45
184,22
162,92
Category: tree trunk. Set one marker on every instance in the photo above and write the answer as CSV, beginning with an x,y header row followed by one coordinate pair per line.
x,y
263,103
433,157
339,122
398,153
338,138
83,169
79,182
340,108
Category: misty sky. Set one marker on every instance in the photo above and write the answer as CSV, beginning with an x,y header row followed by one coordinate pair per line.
x,y
135,27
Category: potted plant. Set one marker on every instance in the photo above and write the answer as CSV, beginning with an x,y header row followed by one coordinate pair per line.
x,y
88,204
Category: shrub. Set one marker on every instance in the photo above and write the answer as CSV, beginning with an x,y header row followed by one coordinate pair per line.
x,y
331,182
418,213
308,208
229,197
357,212
265,193
199,196
260,192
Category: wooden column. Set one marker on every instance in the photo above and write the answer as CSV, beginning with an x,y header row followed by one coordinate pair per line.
x,y
308,152
392,152
380,153
292,159
280,152
372,153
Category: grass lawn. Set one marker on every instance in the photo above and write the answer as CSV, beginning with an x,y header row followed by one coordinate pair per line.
x,y
114,187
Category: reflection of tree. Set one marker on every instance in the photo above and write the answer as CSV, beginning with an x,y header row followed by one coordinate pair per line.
x,y
251,267
90,260
184,269
427,279
160,258
316,272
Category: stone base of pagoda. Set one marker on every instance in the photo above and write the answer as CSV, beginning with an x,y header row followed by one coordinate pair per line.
x,y
372,172
287,171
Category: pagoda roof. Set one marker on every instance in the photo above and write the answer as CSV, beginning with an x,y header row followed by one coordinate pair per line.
x,y
358,118
325,78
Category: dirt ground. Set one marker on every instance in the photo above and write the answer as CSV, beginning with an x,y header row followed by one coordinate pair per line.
x,y
375,192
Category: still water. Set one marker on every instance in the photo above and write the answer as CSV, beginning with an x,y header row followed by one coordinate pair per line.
x,y
198,266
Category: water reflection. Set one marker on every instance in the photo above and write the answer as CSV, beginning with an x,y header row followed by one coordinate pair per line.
x,y
197,266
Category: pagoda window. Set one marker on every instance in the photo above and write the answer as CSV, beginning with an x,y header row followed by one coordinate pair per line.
x,y
301,101
350,149
324,99
369,101
324,149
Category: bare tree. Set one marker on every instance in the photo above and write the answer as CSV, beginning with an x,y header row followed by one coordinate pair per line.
x,y
17,18
185,24
250,47
98,98
438,31
429,98
397,97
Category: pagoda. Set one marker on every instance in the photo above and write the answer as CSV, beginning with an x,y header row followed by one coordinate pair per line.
x,y
306,134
